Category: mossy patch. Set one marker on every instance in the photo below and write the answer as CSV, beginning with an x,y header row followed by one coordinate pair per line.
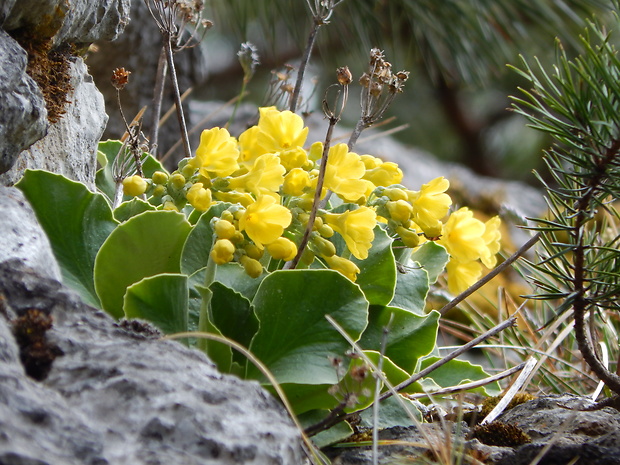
x,y
49,68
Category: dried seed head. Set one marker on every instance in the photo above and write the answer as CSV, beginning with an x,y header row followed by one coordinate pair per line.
x,y
365,80
248,58
344,75
359,373
120,77
375,89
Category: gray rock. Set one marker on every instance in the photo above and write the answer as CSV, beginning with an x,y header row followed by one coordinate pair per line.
x,y
70,146
120,397
22,236
23,119
74,21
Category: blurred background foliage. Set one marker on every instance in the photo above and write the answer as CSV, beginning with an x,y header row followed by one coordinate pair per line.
x,y
455,102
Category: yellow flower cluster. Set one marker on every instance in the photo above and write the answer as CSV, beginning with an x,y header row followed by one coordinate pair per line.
x,y
270,179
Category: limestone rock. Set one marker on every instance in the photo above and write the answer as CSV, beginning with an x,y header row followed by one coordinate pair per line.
x,y
22,236
70,147
23,118
119,397
75,21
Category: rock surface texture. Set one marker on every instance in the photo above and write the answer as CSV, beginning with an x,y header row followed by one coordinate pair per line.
x,y
33,34
561,433
23,238
119,394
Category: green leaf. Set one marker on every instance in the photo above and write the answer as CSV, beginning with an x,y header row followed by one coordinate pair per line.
x,y
392,413
411,290
433,258
392,372
294,338
131,208
160,299
377,276
146,245
76,221
457,372
336,433
198,245
409,337
233,316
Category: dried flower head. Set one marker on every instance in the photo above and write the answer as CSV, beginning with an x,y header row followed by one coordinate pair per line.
x,y
248,58
120,78
344,75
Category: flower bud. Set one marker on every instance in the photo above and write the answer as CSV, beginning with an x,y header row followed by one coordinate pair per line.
x,y
400,211
228,216
224,229
409,238
159,177
343,266
394,193
222,252
326,231
198,197
169,205
177,180
134,185
282,249
325,248
188,171
252,267
253,251
159,191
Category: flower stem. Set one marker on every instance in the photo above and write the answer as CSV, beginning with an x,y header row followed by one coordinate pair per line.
x,y
304,63
177,95
333,120
205,305
158,95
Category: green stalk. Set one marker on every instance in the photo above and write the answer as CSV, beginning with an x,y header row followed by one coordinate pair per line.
x,y
205,305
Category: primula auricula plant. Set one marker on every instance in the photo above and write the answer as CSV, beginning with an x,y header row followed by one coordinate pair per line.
x,y
213,246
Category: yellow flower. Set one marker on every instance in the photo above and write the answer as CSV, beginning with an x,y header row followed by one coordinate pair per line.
x,y
462,275
356,228
134,185
385,174
343,266
217,153
265,220
280,130
295,181
282,249
492,237
463,236
343,173
248,147
430,205
199,197
293,158
267,175
371,162
222,252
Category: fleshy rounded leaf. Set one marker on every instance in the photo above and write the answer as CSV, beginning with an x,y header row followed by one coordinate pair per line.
x,y
76,221
294,339
146,245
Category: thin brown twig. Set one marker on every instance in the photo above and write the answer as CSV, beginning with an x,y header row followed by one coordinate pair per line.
x,y
492,274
